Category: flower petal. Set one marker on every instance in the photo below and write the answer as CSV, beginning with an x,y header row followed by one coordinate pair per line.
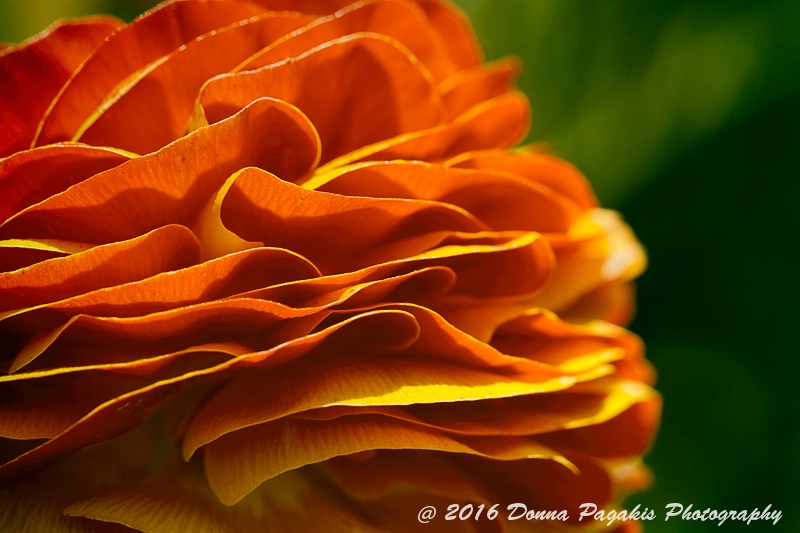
x,y
129,49
467,88
552,172
31,176
32,74
497,123
155,107
403,21
238,462
526,205
326,227
167,248
376,90
134,198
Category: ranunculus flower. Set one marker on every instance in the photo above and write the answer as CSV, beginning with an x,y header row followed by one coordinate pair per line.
x,y
274,266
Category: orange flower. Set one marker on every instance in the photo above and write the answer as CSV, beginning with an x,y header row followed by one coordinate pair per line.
x,y
273,266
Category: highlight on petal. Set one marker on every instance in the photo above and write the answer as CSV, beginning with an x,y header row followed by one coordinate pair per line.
x,y
158,100
261,256
133,198
163,249
380,91
404,22
133,47
31,176
33,73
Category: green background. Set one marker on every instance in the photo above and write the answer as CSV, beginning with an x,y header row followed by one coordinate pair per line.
x,y
685,116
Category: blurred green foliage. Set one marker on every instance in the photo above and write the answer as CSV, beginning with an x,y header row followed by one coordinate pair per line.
x,y
684,115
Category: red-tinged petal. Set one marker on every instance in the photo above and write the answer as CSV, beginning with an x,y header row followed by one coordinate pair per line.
x,y
178,499
167,248
32,73
173,184
156,106
374,90
148,38
497,123
239,462
468,88
31,176
403,21
547,170
526,206
328,229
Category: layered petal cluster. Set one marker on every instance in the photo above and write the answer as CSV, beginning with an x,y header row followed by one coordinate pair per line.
x,y
273,265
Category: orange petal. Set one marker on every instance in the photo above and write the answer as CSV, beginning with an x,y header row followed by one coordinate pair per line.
x,y
127,400
628,434
133,198
509,267
238,462
364,385
127,410
612,302
31,176
167,248
86,340
599,250
212,280
132,47
456,31
32,73
380,91
403,21
328,229
526,206
552,172
547,414
375,476
156,106
468,88
498,123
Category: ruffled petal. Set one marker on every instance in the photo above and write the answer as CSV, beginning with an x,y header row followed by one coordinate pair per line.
x,y
375,90
131,48
33,73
